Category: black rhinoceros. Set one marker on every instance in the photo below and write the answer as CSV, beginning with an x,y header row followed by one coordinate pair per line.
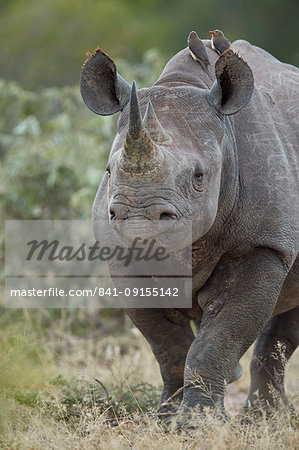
x,y
222,153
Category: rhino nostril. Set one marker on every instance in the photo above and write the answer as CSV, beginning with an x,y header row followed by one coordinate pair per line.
x,y
167,216
112,214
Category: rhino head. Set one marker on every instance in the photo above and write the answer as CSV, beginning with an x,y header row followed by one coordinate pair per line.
x,y
169,157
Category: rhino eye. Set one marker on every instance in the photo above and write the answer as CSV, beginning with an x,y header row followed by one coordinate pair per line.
x,y
108,169
198,176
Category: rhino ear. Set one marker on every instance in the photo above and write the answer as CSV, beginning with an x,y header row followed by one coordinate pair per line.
x,y
103,90
234,85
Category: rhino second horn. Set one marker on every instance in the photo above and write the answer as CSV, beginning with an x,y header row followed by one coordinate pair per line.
x,y
152,124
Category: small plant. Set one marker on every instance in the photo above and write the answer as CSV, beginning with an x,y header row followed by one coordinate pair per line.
x,y
76,397
26,398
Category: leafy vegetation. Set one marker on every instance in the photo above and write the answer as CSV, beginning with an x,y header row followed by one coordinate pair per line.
x,y
53,153
77,396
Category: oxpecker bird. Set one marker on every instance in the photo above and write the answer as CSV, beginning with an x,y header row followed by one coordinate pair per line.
x,y
219,42
198,51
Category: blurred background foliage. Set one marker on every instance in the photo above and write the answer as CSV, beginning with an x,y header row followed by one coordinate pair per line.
x,y
43,43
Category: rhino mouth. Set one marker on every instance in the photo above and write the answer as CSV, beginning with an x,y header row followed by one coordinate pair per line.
x,y
142,227
169,232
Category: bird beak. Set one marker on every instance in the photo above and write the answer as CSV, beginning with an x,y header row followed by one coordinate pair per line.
x,y
212,32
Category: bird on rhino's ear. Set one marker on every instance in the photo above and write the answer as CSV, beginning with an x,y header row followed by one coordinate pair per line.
x,y
103,90
234,84
219,42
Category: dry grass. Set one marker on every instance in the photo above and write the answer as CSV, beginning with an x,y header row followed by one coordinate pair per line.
x,y
119,361
145,433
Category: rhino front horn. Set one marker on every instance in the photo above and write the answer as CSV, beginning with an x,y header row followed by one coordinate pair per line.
x,y
140,153
135,122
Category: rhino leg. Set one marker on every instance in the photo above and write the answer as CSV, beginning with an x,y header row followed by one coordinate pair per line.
x,y
169,334
272,351
237,302
238,371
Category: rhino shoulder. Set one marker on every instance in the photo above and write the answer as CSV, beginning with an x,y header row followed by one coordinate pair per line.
x,y
245,48
257,56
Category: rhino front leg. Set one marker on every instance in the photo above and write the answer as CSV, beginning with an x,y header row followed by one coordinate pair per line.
x,y
170,336
272,351
237,303
237,372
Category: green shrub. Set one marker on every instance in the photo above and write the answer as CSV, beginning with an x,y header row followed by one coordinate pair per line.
x,y
76,397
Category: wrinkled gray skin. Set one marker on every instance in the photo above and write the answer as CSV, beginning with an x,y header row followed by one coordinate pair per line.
x,y
244,212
